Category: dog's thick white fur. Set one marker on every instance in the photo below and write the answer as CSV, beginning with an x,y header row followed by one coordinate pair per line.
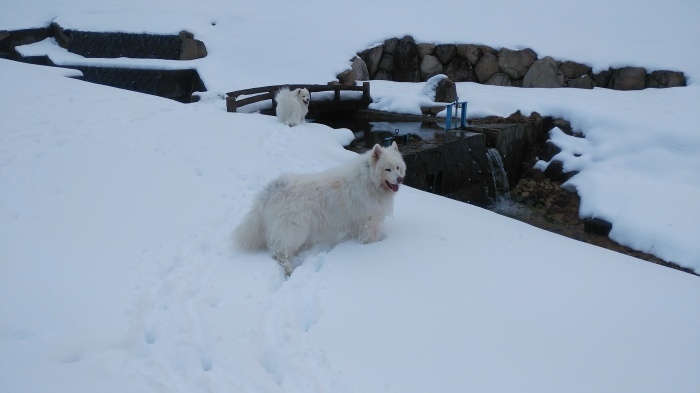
x,y
299,210
292,106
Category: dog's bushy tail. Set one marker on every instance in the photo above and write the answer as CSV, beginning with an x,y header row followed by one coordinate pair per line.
x,y
249,234
282,93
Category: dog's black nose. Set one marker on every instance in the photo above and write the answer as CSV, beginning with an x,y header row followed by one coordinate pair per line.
x,y
400,179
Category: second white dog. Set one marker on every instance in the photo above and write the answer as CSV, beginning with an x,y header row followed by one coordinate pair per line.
x,y
299,210
292,106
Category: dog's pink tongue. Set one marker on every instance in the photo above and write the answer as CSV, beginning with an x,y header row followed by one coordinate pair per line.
x,y
394,187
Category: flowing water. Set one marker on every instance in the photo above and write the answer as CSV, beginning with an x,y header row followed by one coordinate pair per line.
x,y
498,173
502,202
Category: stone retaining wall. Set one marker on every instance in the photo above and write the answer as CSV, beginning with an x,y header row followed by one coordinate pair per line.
x,y
90,44
404,60
176,84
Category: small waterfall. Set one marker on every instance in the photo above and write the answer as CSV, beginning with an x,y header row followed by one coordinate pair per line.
x,y
500,178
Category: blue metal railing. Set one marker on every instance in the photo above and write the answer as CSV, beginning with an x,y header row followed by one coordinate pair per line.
x,y
452,114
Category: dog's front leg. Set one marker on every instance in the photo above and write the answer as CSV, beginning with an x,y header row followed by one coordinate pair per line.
x,y
282,257
369,230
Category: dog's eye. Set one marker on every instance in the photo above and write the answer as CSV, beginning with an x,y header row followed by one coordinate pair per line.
x,y
388,169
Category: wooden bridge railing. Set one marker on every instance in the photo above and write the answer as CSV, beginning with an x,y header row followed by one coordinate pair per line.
x,y
260,94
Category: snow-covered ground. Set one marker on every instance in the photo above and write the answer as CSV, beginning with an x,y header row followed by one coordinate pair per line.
x,y
116,208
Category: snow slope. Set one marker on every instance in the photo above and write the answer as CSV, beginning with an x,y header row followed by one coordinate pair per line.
x,y
118,272
116,208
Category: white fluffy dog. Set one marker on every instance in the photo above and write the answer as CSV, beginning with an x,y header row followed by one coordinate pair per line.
x,y
296,211
292,106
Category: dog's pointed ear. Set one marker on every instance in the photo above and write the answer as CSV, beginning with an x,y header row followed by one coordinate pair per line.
x,y
376,153
299,92
394,146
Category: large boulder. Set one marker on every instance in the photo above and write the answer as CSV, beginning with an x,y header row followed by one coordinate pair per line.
x,y
628,78
347,78
665,79
573,70
544,73
515,63
383,75
584,82
469,52
446,91
602,79
429,67
499,79
445,53
390,45
425,49
371,57
487,66
406,61
488,49
360,68
386,63
460,70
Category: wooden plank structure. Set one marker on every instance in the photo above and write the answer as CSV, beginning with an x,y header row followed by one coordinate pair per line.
x,y
316,107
